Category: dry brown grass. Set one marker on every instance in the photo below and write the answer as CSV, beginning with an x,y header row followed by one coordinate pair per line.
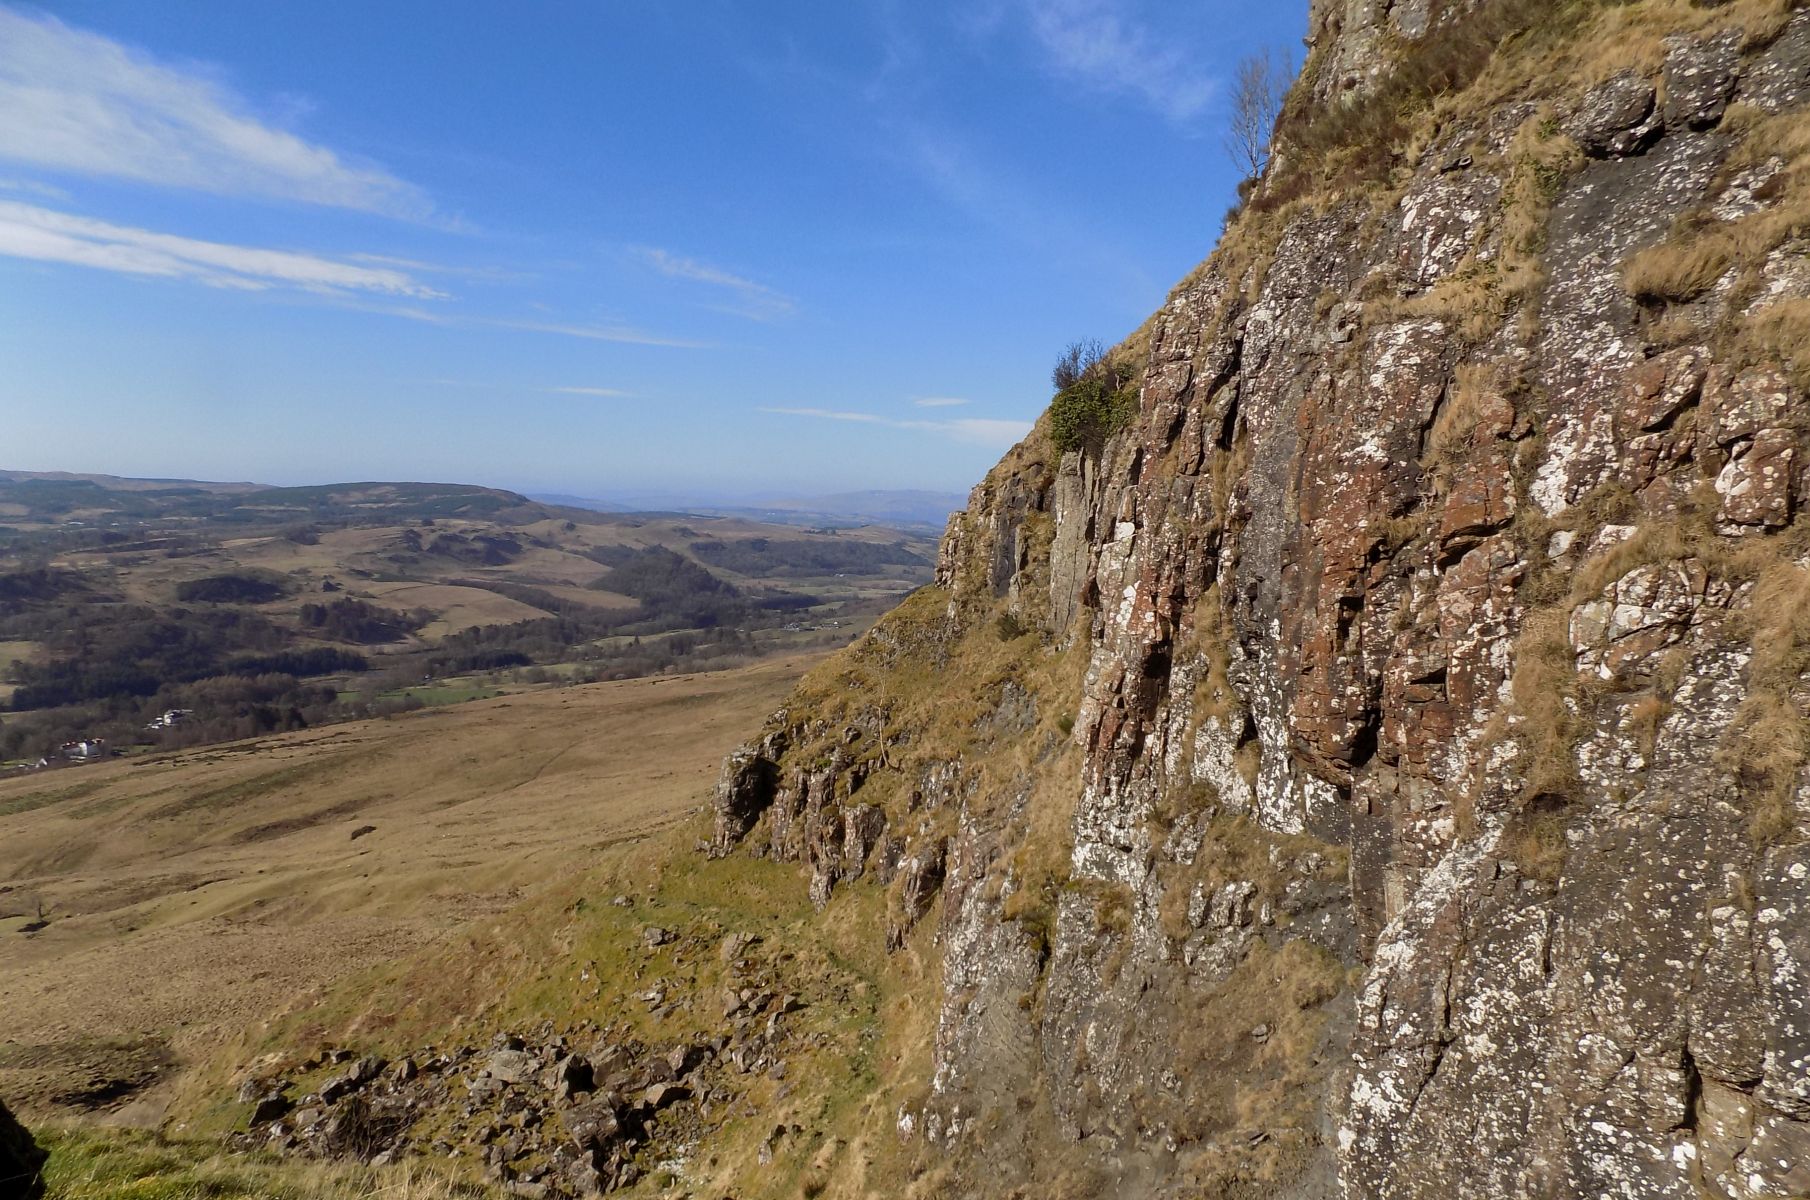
x,y
234,862
1275,1085
1678,271
1485,291
1780,333
1702,250
567,955
1770,744
1554,706
455,608
1624,36
1473,390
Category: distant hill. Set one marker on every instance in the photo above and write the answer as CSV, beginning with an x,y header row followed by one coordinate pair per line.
x,y
882,507
904,508
247,609
55,497
122,483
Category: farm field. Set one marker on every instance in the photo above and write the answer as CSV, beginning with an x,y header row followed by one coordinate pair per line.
x,y
248,611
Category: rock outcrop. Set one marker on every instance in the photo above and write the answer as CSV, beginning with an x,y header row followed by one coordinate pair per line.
x,y
579,1108
21,1159
1380,768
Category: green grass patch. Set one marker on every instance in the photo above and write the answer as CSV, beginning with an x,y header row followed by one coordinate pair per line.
x,y
233,794
433,695
35,800
117,1164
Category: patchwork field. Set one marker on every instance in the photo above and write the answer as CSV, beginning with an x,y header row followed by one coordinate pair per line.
x,y
188,894
252,612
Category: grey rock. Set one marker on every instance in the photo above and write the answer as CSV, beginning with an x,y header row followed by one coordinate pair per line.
x,y
512,1066
659,1095
1779,79
352,1079
270,1108
571,1076
1615,117
1700,78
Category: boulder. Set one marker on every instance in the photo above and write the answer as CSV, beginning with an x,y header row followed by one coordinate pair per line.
x,y
360,1130
571,1076
270,1108
659,1095
512,1066
593,1125
355,1077
1700,77
1616,117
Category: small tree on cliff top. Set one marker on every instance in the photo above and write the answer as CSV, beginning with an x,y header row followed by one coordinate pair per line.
x,y
1257,95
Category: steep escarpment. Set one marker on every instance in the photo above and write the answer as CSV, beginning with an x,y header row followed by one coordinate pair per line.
x,y
1379,766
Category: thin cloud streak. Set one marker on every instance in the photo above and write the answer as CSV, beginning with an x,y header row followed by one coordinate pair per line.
x,y
757,301
479,274
939,402
625,335
46,235
31,187
76,101
977,431
606,393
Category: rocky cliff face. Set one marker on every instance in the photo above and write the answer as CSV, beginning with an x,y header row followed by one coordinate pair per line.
x,y
1380,768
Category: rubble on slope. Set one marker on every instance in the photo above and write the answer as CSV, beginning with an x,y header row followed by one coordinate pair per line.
x,y
549,1112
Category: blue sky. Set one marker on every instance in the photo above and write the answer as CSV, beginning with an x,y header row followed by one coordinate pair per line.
x,y
607,248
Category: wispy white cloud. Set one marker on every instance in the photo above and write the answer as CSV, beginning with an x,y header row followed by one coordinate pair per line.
x,y
46,235
939,402
1103,43
485,274
755,301
32,187
595,333
978,431
72,100
833,415
602,392
625,334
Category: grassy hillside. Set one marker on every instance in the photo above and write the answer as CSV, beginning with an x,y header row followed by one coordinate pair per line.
x,y
434,881
232,881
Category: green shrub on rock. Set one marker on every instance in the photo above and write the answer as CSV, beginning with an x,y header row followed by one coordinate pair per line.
x,y
1094,397
1085,415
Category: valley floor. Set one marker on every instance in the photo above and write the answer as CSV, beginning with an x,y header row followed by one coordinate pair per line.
x,y
191,894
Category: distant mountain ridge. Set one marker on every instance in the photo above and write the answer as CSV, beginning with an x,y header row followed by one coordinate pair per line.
x,y
65,490
911,507
125,483
68,497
